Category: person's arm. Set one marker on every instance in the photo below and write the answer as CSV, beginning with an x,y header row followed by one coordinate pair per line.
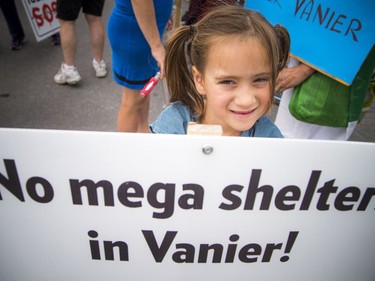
x,y
145,14
293,76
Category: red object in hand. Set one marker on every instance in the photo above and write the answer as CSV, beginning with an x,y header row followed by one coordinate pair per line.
x,y
150,85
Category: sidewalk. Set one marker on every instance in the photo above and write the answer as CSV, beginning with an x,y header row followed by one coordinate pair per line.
x,y
29,98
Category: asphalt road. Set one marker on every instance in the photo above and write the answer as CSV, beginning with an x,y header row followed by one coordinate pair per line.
x,y
29,98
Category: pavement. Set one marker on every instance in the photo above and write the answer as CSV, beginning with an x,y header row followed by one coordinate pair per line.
x,y
29,98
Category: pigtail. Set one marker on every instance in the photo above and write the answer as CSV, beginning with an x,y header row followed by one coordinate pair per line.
x,y
178,74
284,46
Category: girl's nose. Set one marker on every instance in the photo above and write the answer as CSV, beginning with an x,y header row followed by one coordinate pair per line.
x,y
244,97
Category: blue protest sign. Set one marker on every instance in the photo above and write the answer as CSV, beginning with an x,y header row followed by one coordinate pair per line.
x,y
332,36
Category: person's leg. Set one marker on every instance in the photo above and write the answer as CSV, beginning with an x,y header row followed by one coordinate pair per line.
x,y
13,21
96,35
143,124
68,39
133,113
67,13
97,44
9,10
68,73
93,10
55,39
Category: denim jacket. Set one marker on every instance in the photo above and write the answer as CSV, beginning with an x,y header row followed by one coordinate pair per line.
x,y
175,118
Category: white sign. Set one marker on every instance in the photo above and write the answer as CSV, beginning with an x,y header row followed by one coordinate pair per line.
x,y
42,17
113,206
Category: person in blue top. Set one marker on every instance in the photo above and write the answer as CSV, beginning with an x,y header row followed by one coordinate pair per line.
x,y
227,77
135,31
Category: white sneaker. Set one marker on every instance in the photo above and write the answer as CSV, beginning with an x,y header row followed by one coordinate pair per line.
x,y
70,76
100,68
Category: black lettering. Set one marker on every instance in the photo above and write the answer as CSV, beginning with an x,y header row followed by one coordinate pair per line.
x,y
355,25
108,248
234,199
31,185
349,194
186,256
289,245
330,19
167,204
320,15
307,10
248,252
269,251
337,22
217,253
12,183
122,250
298,6
196,198
92,192
325,191
253,189
159,252
369,194
232,248
94,245
288,193
128,190
310,190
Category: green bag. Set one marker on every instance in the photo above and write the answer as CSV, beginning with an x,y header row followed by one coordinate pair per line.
x,y
323,101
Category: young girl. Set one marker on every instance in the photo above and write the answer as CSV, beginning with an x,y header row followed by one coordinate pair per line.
x,y
235,57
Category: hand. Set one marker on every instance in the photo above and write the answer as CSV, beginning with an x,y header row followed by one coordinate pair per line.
x,y
170,24
292,77
158,52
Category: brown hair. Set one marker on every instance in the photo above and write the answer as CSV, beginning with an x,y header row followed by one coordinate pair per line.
x,y
189,45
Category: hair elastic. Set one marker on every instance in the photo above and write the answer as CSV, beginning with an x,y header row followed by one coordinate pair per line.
x,y
192,30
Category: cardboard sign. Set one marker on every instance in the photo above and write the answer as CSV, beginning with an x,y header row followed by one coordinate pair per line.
x,y
42,17
115,206
334,37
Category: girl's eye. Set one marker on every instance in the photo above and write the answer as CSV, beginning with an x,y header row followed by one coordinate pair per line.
x,y
227,82
262,79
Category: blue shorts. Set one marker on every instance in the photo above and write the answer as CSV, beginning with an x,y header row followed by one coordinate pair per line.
x,y
132,62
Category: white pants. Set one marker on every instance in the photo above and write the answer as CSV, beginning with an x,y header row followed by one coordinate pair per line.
x,y
293,128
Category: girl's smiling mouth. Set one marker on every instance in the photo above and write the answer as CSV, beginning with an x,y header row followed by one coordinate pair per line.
x,y
242,113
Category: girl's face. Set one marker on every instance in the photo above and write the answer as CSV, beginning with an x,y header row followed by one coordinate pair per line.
x,y
236,83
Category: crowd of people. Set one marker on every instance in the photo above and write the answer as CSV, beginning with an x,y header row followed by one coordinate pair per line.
x,y
223,66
